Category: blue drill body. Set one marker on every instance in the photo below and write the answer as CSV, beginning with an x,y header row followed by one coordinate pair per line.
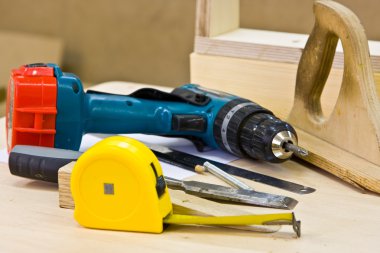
x,y
80,113
212,118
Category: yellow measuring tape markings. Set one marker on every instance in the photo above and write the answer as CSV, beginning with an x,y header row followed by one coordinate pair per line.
x,y
241,220
118,184
273,219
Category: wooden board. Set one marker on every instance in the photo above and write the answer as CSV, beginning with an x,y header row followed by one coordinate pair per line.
x,y
269,46
347,166
335,218
217,17
30,211
271,84
218,33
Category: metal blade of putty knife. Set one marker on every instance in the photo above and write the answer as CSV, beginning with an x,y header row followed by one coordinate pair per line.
x,y
218,192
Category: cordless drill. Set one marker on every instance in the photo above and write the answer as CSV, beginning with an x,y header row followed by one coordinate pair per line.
x,y
47,107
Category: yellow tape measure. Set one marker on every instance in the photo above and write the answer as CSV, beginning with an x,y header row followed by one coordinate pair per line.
x,y
118,184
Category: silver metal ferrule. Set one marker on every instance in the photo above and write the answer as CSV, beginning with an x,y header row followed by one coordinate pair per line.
x,y
279,141
225,176
174,183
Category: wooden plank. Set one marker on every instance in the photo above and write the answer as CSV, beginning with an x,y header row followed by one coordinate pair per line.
x,y
268,46
202,17
217,16
335,218
271,84
351,168
218,33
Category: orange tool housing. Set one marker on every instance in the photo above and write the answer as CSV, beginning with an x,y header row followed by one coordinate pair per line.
x,y
31,106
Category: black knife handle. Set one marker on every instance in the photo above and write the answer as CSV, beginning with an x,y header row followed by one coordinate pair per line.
x,y
40,163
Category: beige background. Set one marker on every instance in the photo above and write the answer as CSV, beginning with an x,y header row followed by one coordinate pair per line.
x,y
297,15
149,41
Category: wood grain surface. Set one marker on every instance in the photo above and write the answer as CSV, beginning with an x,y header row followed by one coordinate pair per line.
x,y
336,218
218,33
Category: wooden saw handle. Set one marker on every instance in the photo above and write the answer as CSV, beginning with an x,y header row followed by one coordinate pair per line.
x,y
354,124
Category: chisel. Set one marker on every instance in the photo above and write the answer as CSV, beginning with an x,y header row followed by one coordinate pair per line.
x,y
218,192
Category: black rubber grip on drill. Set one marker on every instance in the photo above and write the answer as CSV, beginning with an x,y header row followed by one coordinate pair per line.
x,y
39,162
235,123
257,135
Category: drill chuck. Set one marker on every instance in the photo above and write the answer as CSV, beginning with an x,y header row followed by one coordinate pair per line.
x,y
244,128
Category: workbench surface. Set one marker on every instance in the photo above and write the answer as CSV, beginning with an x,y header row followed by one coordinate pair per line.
x,y
335,218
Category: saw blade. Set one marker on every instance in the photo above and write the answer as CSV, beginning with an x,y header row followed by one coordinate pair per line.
x,y
188,162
